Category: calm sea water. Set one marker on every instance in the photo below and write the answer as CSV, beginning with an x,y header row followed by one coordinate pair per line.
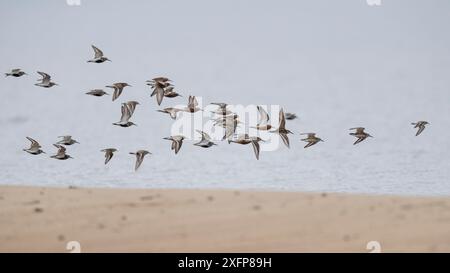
x,y
336,66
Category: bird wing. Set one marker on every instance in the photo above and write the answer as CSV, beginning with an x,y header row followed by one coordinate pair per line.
x,y
34,143
205,136
282,119
178,144
125,114
61,150
285,139
15,70
159,94
421,128
139,159
45,77
359,140
263,116
255,145
98,52
117,92
108,155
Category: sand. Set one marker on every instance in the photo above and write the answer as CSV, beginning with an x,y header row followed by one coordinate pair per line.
x,y
152,220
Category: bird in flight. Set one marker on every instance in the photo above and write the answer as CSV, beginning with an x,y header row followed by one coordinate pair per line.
x,y
177,142
282,131
360,134
118,88
45,81
16,72
125,118
205,142
98,57
311,139
109,153
67,140
35,147
139,158
61,153
420,125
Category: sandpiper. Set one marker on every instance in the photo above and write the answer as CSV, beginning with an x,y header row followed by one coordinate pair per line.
x,y
171,111
125,118
192,105
139,158
263,121
159,84
109,153
205,142
61,154
118,88
131,106
245,139
97,93
177,142
291,116
170,93
282,131
98,58
16,72
360,134
45,81
311,139
420,125
67,140
35,147
222,109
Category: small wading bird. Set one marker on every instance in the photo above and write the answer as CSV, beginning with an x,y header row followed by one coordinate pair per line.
x,y
139,158
158,85
244,139
118,88
170,93
282,131
420,125
171,111
35,147
177,142
67,140
17,72
229,123
97,93
205,142
98,58
125,118
45,81
311,139
109,153
360,134
61,154
192,105
291,116
263,120
222,109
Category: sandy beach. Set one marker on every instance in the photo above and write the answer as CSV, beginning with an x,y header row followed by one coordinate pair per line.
x,y
36,219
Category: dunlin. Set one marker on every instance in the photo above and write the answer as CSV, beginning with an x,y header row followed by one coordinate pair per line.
x,y
245,139
98,58
420,125
97,93
17,72
109,153
177,142
61,154
118,88
192,105
291,116
282,131
159,84
35,147
205,142
67,140
311,139
169,92
45,81
171,111
360,134
139,158
222,109
125,118
263,120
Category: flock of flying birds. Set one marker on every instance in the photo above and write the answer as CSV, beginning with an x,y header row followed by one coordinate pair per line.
x,y
162,87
